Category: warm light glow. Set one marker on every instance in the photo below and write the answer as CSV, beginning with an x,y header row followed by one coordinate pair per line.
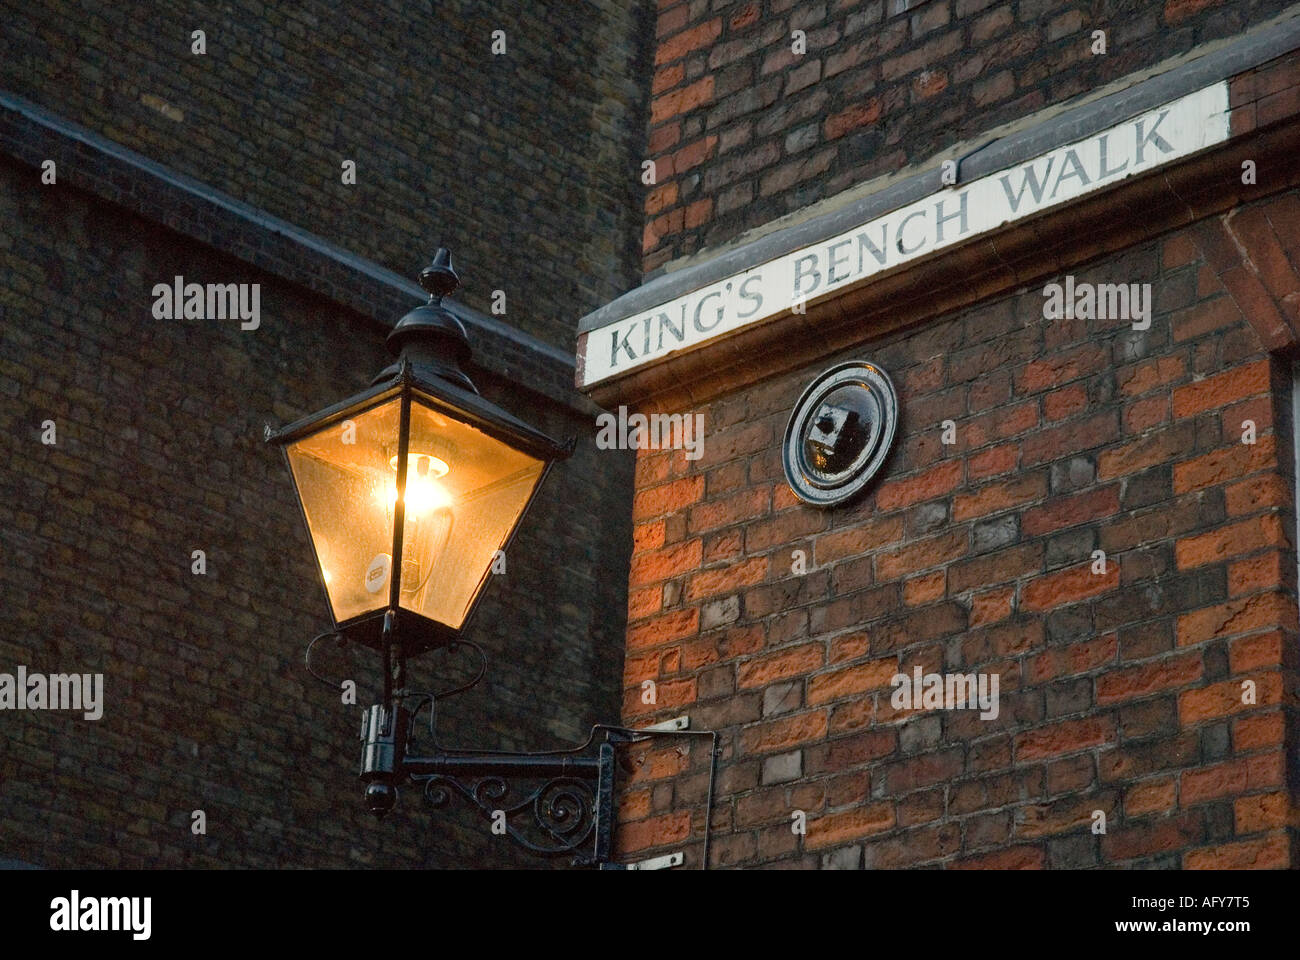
x,y
463,493
422,464
423,492
422,496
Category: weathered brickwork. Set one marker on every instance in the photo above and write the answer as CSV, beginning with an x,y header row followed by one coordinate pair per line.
x,y
744,131
781,625
521,161
159,452
524,163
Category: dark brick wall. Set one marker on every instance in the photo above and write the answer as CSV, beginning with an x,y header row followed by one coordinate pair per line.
x,y
208,706
525,163
1120,691
743,131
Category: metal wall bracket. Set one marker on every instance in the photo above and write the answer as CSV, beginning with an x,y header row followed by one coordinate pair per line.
x,y
668,726
666,862
573,804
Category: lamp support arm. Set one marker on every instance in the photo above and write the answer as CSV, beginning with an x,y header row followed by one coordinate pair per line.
x,y
566,801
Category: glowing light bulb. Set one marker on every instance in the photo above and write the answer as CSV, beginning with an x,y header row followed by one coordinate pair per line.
x,y
428,517
422,496
423,492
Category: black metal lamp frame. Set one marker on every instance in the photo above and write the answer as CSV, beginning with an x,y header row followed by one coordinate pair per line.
x,y
572,802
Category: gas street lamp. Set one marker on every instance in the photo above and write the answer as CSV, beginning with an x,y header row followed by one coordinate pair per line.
x,y
410,490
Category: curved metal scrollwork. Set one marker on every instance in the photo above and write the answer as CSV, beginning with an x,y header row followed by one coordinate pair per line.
x,y
555,818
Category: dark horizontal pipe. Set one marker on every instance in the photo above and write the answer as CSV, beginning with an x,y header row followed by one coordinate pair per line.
x,y
498,765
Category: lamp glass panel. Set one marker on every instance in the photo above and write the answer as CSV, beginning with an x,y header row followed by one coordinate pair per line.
x,y
465,493
348,487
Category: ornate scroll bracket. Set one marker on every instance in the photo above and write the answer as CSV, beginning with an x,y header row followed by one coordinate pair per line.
x,y
555,818
565,802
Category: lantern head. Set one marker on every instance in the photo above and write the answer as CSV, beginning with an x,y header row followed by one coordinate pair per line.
x,y
413,489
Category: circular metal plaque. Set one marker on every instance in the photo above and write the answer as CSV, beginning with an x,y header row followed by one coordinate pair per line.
x,y
840,433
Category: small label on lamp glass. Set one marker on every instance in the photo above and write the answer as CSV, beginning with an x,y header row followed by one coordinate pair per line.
x,y
377,572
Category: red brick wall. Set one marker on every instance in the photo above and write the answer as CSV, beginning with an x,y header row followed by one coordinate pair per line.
x,y
743,131
1119,692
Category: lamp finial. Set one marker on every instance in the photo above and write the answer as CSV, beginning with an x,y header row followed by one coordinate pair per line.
x,y
439,277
